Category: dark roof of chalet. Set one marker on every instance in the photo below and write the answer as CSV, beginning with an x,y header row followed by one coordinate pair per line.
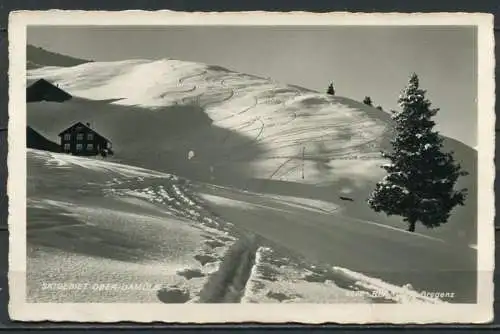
x,y
83,125
44,85
36,140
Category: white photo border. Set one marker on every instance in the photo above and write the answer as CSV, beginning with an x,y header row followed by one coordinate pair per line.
x,y
19,309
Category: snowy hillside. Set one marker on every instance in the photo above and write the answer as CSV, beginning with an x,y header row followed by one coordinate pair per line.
x,y
104,232
210,124
285,126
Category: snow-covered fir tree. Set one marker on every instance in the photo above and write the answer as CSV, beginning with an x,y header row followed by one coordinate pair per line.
x,y
421,178
330,90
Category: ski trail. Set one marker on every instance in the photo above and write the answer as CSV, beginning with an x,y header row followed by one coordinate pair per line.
x,y
172,92
286,172
239,128
249,142
279,167
228,284
289,159
244,110
181,80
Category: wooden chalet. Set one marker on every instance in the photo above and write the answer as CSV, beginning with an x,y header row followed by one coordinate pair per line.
x,y
81,139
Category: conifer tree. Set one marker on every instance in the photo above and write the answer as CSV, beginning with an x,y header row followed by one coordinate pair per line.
x,y
420,180
331,90
368,101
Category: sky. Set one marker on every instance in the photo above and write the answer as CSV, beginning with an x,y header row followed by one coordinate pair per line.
x,y
361,61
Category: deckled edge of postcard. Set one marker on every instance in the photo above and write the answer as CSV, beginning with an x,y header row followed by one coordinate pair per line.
x,y
19,309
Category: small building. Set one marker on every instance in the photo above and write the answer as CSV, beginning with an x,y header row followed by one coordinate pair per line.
x,y
42,90
81,139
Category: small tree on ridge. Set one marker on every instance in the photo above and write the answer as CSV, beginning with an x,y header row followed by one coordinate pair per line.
x,y
368,101
331,90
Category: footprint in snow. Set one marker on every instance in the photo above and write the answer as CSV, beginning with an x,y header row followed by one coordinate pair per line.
x,y
279,296
173,295
205,258
190,273
214,243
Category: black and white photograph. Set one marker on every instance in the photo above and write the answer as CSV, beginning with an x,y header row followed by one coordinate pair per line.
x,y
287,167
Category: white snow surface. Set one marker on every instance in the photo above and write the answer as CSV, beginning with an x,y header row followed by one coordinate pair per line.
x,y
404,294
316,206
297,129
135,235
95,164
275,132
107,232
278,279
275,279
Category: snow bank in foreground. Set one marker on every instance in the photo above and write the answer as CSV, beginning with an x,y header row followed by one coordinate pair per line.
x,y
227,285
72,244
128,235
389,291
96,254
276,279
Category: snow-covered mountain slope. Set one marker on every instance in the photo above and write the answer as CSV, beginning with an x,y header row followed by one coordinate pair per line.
x,y
288,126
211,124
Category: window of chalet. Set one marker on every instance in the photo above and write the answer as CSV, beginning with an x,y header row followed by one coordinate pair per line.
x,y
90,147
90,136
79,147
67,136
79,136
66,147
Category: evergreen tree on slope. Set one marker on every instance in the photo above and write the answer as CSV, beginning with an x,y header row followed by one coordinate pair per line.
x,y
330,90
368,101
420,180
